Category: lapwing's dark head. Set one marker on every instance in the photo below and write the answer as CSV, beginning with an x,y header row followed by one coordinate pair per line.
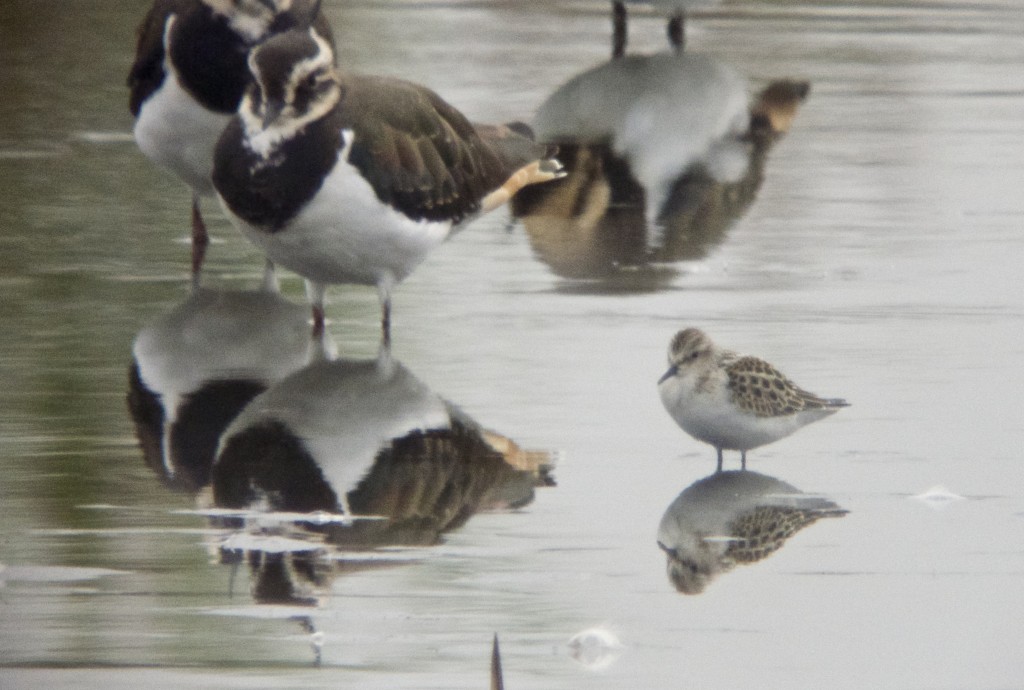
x,y
251,19
294,84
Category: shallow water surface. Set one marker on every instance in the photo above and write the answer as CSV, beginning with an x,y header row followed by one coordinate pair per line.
x,y
528,471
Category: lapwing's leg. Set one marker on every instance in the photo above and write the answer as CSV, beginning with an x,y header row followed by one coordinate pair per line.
x,y
200,240
677,31
618,29
315,294
719,469
743,459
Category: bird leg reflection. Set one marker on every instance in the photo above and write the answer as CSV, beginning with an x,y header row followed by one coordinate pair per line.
x,y
618,29
676,31
384,285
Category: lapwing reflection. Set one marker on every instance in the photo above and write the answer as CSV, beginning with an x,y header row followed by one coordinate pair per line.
x,y
345,456
663,153
195,367
733,518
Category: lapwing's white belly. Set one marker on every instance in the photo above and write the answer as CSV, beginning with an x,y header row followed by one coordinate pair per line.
x,y
346,235
709,415
174,131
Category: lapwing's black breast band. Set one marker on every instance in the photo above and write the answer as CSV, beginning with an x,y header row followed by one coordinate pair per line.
x,y
269,193
210,58
420,155
270,459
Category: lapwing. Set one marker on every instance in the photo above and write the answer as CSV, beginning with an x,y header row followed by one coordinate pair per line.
x,y
354,179
189,74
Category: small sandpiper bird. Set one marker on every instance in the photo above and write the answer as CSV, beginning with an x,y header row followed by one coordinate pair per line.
x,y
189,74
354,179
732,401
676,21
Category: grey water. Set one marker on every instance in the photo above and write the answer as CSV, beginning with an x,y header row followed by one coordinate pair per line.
x,y
879,260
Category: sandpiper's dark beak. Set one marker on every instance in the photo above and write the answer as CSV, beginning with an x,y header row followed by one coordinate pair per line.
x,y
271,111
672,371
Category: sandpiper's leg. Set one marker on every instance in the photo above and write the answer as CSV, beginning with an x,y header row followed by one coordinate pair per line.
x,y
743,459
618,29
200,239
676,31
719,460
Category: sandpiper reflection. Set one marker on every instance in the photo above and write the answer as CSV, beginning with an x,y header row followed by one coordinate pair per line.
x,y
664,152
195,367
733,518
345,456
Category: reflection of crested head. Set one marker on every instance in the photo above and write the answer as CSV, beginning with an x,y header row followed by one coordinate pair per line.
x,y
284,578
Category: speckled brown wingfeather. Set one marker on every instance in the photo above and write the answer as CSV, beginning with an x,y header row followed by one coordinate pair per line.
x,y
761,389
418,153
762,531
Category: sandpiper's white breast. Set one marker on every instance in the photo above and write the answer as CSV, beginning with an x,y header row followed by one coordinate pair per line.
x,y
345,234
708,414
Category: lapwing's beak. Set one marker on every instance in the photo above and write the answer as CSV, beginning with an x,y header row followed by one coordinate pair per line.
x,y
271,111
672,371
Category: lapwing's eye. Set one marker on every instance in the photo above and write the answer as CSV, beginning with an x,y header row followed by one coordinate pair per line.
x,y
310,84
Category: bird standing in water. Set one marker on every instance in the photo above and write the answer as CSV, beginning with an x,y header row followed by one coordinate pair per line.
x,y
188,77
354,179
731,401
